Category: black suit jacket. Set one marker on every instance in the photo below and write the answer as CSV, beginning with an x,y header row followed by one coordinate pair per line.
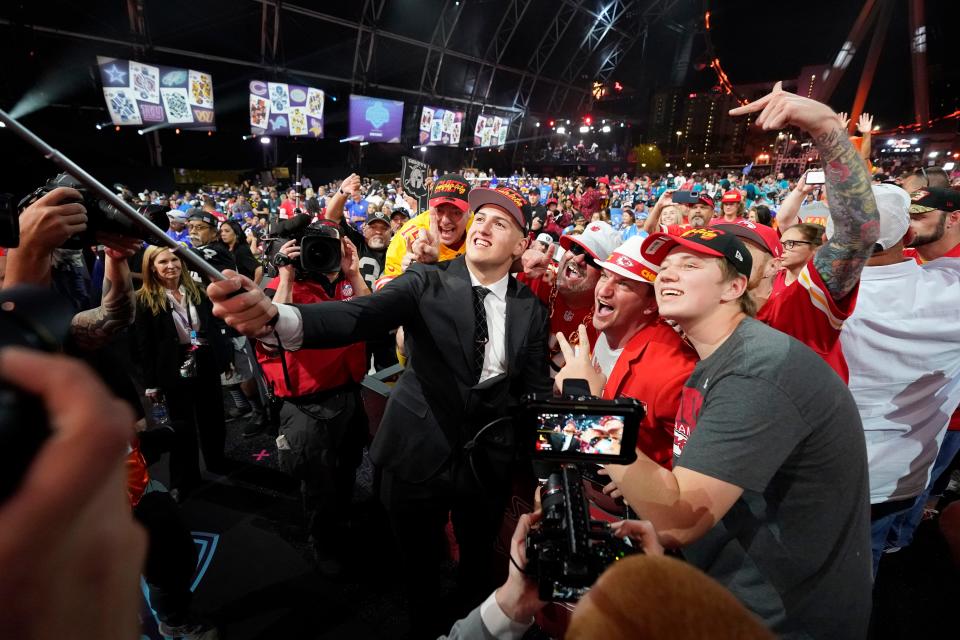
x,y
436,407
159,347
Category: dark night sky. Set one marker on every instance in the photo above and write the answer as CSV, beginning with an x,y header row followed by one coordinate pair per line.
x,y
759,40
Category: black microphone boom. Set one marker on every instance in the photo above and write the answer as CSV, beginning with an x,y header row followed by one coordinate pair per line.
x,y
68,165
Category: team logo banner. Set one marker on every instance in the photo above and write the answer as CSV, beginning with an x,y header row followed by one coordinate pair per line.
x,y
440,127
280,109
144,95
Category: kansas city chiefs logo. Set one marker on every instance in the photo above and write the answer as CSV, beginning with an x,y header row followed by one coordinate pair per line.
x,y
624,261
595,228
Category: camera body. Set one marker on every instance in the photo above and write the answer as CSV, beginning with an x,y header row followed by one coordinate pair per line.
x,y
320,251
568,551
101,215
35,318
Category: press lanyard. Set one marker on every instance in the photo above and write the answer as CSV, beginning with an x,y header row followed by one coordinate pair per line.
x,y
187,322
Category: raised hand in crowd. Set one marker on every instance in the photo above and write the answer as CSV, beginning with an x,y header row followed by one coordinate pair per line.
x,y
844,119
70,550
865,123
652,223
536,263
579,363
789,211
425,248
44,226
349,186
852,205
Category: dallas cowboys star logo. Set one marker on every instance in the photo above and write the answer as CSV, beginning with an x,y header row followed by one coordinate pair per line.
x,y
115,74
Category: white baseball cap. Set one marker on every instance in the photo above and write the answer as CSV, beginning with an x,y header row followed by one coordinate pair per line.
x,y
627,260
893,205
598,238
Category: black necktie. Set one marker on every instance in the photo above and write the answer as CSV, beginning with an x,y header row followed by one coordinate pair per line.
x,y
480,333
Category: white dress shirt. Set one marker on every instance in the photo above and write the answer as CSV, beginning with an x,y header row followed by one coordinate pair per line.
x,y
495,305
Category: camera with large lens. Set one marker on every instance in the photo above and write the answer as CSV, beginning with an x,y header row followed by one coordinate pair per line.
x,y
101,215
320,251
34,318
568,550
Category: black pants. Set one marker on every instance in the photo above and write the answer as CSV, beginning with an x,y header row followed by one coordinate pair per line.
x,y
195,406
171,556
325,435
418,515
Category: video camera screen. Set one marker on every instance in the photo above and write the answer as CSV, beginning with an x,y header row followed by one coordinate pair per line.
x,y
585,434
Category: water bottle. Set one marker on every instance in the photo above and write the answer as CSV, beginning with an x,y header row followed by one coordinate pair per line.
x,y
159,413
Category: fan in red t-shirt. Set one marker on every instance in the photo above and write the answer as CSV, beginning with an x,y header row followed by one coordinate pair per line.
x,y
731,208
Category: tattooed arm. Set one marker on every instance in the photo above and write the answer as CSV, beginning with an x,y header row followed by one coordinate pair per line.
x,y
91,329
853,209
852,205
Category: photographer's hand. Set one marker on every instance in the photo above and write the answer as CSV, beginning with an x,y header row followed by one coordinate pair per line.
x,y
518,597
350,266
70,550
44,226
641,531
287,273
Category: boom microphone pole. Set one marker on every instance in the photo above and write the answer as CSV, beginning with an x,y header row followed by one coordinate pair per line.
x,y
68,165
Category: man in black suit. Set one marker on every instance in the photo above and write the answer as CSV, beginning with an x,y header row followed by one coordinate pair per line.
x,y
567,439
434,447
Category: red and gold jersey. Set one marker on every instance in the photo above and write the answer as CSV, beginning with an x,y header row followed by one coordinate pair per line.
x,y
807,311
407,234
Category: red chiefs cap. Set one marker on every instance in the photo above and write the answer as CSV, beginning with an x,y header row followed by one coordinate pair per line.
x,y
508,199
732,196
763,235
627,260
711,241
451,189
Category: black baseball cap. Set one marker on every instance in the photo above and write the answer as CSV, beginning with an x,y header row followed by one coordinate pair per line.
x,y
707,240
451,188
200,215
934,199
507,198
378,216
399,211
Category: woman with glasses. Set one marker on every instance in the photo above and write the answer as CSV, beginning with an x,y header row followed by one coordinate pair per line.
x,y
799,242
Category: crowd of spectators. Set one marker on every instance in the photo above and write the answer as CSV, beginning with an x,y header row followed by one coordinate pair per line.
x,y
792,340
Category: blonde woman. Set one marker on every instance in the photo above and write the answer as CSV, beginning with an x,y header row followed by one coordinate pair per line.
x,y
182,353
